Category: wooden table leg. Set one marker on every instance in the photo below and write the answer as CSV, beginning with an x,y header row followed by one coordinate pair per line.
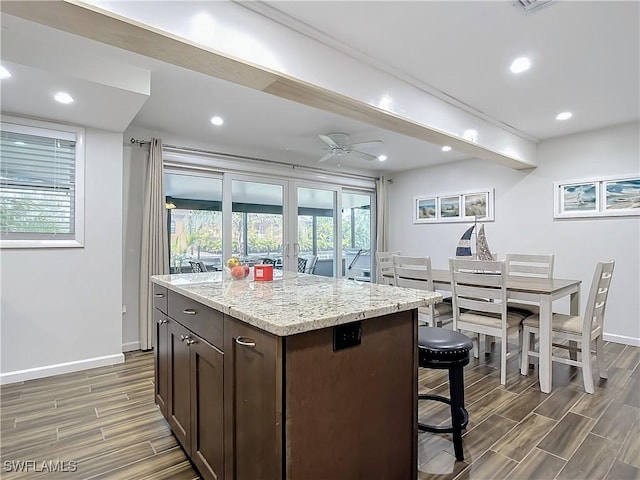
x,y
544,346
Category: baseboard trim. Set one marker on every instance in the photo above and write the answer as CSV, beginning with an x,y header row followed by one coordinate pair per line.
x,y
610,337
60,368
130,346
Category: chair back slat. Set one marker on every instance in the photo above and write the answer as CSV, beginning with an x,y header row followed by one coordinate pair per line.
x,y
479,285
598,294
526,265
412,272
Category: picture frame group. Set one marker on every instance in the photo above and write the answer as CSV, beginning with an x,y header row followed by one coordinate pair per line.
x,y
599,197
477,205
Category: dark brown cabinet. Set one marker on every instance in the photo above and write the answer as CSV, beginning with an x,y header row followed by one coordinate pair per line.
x,y
179,378
246,404
190,381
161,352
207,413
253,381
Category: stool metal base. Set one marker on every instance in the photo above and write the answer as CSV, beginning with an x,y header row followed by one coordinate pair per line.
x,y
446,350
442,429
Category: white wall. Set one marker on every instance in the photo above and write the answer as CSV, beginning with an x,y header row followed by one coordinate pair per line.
x,y
524,220
61,307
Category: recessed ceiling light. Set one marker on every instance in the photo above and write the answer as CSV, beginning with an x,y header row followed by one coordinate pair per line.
x,y
520,65
564,116
63,97
446,148
217,121
4,73
382,158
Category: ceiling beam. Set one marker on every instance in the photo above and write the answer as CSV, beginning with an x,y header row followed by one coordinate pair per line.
x,y
112,29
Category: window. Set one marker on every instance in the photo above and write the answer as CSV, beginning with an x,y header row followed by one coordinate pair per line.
x,y
195,216
41,184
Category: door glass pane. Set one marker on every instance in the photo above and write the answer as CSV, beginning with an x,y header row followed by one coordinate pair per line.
x,y
356,235
257,222
195,222
316,231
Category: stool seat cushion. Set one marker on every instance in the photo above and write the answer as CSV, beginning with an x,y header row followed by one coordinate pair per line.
x,y
441,340
441,348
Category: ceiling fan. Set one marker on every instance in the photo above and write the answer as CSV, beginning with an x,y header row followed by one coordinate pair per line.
x,y
339,145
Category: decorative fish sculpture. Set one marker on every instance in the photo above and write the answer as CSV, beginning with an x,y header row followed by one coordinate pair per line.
x,y
482,247
464,245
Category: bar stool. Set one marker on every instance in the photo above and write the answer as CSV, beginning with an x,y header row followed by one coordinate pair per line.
x,y
446,349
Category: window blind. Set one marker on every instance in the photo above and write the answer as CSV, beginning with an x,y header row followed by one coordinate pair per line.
x,y
37,184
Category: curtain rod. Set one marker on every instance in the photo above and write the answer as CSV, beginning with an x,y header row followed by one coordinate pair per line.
x,y
256,159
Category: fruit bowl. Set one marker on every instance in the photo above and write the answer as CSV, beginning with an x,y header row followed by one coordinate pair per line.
x,y
238,272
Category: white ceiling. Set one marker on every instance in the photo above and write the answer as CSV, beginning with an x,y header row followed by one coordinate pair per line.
x,y
585,58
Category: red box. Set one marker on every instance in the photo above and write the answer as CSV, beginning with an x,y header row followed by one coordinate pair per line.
x,y
263,273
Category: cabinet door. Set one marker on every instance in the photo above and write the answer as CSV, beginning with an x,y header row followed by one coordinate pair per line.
x,y
253,403
207,413
161,358
179,405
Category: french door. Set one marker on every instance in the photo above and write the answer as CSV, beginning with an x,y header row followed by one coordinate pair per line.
x,y
295,225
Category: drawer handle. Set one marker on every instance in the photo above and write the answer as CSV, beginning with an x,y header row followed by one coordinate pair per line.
x,y
189,311
184,338
158,295
190,341
162,322
245,342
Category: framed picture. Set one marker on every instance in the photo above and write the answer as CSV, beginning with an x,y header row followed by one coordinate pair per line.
x,y
476,205
471,206
604,197
622,196
450,207
425,209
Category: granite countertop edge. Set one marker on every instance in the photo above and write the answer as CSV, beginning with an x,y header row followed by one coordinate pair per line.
x,y
283,324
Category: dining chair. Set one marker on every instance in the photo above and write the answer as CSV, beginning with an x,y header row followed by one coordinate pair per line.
x,y
584,330
415,272
384,267
197,266
302,264
311,264
480,304
526,265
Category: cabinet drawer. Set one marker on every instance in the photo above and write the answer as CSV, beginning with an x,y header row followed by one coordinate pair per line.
x,y
201,320
160,298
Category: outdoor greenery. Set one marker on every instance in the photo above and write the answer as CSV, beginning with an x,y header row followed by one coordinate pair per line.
x,y
198,233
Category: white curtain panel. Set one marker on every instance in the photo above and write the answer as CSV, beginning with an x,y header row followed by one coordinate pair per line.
x,y
155,244
382,209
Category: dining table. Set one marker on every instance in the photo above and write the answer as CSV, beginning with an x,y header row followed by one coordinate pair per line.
x,y
542,291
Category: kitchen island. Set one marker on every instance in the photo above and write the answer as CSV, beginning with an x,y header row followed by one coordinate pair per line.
x,y
305,377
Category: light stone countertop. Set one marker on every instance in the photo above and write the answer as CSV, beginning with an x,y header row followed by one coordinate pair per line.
x,y
295,302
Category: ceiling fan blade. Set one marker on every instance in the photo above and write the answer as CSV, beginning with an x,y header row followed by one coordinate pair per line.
x,y
328,140
326,157
370,142
366,156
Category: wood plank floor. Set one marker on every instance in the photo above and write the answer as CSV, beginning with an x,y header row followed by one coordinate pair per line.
x,y
103,424
517,432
